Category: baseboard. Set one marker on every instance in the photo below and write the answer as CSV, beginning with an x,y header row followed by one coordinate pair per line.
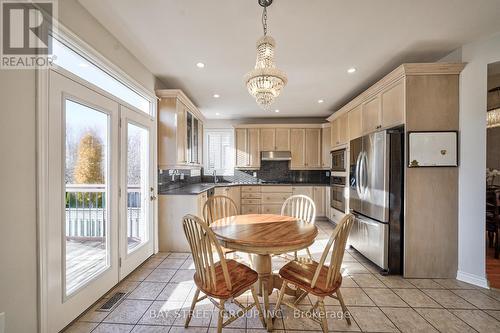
x,y
476,280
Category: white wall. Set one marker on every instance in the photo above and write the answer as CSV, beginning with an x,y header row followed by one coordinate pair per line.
x,y
18,247
18,270
471,224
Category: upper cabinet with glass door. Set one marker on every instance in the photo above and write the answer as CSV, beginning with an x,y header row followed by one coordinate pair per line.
x,y
180,131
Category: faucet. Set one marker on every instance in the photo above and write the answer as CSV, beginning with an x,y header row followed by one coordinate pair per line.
x,y
175,173
214,173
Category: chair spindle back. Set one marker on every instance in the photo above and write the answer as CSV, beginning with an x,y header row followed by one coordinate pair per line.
x,y
301,207
338,239
202,241
218,207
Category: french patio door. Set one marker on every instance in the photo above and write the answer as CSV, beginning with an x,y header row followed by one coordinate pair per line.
x,y
137,191
100,208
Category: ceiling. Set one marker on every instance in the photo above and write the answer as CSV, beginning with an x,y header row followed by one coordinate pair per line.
x,y
317,41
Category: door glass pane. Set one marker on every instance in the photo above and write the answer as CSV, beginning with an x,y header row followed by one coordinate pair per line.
x,y
137,186
86,182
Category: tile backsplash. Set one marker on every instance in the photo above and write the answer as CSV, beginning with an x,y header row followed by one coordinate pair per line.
x,y
185,177
278,171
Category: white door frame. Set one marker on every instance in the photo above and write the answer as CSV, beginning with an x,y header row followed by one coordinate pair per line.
x,y
42,112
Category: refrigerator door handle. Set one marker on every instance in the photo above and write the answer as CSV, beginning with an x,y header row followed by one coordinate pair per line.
x,y
357,175
364,170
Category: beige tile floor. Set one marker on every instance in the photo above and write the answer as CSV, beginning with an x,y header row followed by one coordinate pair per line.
x,y
160,292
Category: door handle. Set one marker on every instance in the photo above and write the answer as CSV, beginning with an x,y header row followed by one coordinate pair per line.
x,y
357,174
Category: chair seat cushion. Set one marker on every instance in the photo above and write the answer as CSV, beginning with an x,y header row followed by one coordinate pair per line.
x,y
301,273
242,277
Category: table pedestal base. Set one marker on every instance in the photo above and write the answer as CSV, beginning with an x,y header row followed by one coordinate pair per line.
x,y
262,265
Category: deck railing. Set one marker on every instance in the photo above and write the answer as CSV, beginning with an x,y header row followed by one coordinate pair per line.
x,y
86,211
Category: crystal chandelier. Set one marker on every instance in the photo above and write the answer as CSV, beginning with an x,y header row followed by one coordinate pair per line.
x,y
265,81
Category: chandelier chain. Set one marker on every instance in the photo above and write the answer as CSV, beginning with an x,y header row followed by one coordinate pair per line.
x,y
264,20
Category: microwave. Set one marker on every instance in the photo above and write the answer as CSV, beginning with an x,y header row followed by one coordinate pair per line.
x,y
338,160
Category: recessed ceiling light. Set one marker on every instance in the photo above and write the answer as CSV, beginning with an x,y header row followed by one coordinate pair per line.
x,y
200,65
217,113
320,101
351,70
216,95
83,65
276,111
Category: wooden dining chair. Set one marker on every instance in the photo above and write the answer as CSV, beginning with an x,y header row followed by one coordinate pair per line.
x,y
218,280
301,207
316,278
218,207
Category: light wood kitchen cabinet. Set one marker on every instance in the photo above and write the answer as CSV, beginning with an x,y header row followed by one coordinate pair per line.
x,y
298,148
319,200
233,192
304,143
180,131
202,199
240,138
282,139
304,190
272,139
250,209
247,148
326,146
343,129
313,148
267,139
253,147
340,130
250,199
328,208
371,113
393,105
355,117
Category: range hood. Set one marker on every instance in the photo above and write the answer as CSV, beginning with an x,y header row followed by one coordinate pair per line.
x,y
276,156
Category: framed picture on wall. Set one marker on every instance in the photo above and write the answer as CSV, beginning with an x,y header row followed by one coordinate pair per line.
x,y
433,149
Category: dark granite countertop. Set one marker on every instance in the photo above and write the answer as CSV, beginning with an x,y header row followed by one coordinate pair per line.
x,y
195,189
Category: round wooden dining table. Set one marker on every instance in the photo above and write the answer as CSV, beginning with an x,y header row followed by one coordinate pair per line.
x,y
263,235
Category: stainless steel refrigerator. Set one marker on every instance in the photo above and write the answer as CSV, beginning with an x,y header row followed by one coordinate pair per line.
x,y
376,197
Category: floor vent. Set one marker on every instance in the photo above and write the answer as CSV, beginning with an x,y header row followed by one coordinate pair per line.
x,y
112,302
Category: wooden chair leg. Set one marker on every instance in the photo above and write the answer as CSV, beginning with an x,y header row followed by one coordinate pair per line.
x,y
280,297
193,303
301,297
221,316
309,254
344,308
257,305
322,315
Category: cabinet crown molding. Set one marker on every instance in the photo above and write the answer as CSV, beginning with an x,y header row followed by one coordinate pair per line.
x,y
181,96
404,70
319,125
